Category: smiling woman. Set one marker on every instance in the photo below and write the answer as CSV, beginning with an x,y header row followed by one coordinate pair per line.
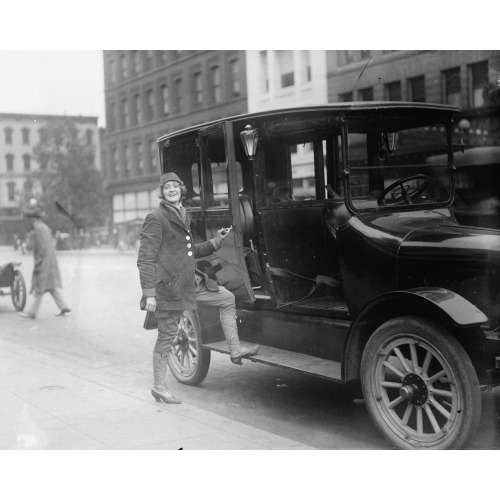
x,y
55,82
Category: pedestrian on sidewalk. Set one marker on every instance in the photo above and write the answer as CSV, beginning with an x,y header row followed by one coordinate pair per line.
x,y
46,276
171,283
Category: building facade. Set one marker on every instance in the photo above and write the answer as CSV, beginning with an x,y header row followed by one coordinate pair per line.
x,y
286,78
19,133
148,94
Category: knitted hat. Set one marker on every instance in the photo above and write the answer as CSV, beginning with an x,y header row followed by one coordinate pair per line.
x,y
170,176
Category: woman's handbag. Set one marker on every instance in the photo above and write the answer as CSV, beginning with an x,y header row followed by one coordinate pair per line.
x,y
150,321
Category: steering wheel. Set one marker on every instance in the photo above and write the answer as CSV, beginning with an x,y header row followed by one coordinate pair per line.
x,y
401,193
282,193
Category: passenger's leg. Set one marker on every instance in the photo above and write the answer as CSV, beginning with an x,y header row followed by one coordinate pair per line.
x,y
224,299
168,322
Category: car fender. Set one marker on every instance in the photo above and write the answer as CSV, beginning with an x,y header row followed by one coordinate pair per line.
x,y
444,306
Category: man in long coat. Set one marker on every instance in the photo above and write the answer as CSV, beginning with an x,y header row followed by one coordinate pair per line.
x,y
46,276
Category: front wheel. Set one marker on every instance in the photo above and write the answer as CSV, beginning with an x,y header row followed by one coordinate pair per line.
x,y
18,291
187,360
419,385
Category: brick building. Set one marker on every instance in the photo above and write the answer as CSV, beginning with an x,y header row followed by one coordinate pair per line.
x,y
147,94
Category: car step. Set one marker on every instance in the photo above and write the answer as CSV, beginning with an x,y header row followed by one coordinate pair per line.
x,y
303,363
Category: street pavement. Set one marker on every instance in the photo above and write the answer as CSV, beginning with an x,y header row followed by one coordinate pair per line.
x,y
84,399
82,381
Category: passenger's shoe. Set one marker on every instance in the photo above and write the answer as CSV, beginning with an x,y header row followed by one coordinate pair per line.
x,y
243,352
64,312
165,395
26,315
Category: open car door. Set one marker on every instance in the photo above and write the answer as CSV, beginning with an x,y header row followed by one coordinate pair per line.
x,y
221,182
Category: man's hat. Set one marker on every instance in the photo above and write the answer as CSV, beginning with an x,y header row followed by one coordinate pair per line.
x,y
170,176
34,213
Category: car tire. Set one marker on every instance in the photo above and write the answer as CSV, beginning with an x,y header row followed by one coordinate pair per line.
x,y
18,291
187,360
419,385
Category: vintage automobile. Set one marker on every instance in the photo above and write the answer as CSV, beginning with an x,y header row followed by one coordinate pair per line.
x,y
345,259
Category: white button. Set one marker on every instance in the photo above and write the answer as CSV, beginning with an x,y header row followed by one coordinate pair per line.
x,y
188,237
190,253
189,245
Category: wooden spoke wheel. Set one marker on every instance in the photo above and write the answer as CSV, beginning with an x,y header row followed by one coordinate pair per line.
x,y
187,360
18,291
420,386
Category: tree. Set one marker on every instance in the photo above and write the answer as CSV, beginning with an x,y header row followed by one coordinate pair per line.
x,y
67,175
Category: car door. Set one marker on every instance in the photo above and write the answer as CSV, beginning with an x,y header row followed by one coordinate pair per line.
x,y
221,181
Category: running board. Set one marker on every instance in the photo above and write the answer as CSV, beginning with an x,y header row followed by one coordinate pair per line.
x,y
303,363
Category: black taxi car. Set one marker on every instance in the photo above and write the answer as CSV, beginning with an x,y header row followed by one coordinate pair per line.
x,y
345,259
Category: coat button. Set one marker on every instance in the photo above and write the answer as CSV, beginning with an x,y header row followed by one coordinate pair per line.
x,y
190,253
188,237
189,245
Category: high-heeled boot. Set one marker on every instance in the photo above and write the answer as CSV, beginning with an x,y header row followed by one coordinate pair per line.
x,y
160,391
236,351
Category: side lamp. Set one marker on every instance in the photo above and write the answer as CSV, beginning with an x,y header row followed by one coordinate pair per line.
x,y
249,138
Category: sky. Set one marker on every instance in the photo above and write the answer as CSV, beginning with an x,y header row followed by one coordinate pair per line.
x,y
55,82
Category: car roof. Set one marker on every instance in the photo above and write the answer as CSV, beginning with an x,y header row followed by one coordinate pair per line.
x,y
355,108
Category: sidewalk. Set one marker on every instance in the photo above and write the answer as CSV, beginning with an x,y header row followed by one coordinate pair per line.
x,y
63,404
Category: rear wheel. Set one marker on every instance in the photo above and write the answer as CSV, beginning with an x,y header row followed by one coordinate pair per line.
x,y
420,386
18,291
187,360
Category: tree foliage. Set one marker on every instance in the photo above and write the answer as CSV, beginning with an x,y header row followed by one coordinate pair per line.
x,y
67,175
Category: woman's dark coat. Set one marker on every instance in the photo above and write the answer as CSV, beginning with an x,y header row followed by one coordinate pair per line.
x,y
166,260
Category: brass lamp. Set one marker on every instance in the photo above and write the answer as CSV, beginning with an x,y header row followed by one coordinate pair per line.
x,y
249,138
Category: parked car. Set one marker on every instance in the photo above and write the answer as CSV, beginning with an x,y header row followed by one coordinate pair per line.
x,y
345,259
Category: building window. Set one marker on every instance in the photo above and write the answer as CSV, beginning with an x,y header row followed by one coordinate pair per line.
x,y
114,162
392,91
136,61
285,65
235,72
264,73
179,97
165,106
150,102
365,94
198,90
137,109
112,71
451,86
27,163
9,159
306,66
89,136
8,135
416,89
42,134
346,97
26,135
112,116
11,191
139,158
478,78
215,80
125,115
148,60
365,54
126,160
124,66
153,158
345,57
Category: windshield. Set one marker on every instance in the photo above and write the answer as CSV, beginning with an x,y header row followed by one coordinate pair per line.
x,y
388,167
